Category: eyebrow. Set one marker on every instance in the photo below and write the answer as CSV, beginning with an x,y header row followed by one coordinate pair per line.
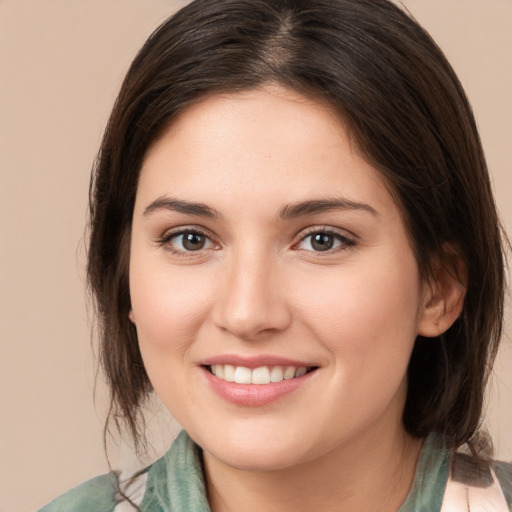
x,y
181,206
289,211
314,206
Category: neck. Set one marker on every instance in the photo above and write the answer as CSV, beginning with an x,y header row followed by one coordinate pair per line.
x,y
374,472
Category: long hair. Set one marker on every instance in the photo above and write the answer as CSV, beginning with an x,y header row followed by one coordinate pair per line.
x,y
409,118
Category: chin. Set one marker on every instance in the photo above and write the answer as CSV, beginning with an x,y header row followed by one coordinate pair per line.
x,y
260,450
257,459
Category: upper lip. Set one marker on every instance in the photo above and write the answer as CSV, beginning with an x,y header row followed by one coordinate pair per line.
x,y
255,361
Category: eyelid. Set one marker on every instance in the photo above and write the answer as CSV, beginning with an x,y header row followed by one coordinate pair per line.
x,y
169,234
348,239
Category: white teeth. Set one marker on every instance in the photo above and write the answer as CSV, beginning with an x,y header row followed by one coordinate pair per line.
x,y
276,374
300,371
218,370
289,373
229,373
243,375
260,375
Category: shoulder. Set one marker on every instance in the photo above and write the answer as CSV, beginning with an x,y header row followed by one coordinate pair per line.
x,y
478,485
174,482
448,481
98,494
503,471
112,492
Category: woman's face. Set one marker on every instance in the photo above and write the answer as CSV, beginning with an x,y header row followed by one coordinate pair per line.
x,y
263,246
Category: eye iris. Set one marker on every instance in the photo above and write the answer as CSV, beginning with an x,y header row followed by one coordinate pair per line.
x,y
193,241
322,242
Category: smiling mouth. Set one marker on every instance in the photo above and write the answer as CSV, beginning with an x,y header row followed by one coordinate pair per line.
x,y
260,375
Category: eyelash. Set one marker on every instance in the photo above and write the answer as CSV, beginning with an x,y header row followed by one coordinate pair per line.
x,y
168,236
345,241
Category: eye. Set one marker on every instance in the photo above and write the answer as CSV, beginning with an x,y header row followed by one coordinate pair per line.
x,y
323,241
188,240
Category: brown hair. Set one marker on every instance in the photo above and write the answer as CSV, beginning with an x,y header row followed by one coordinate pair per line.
x,y
408,116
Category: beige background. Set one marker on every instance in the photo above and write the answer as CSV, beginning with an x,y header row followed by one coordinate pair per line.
x,y
61,63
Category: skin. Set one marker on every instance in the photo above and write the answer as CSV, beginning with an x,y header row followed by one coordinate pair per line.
x,y
258,287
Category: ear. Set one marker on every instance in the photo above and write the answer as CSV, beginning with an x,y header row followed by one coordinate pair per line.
x,y
131,316
444,298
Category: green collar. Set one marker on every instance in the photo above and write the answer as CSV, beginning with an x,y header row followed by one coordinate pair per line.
x,y
176,482
427,491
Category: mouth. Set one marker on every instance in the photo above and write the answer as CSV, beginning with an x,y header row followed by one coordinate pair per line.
x,y
260,375
256,381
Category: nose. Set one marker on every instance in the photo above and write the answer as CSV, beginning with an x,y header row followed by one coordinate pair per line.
x,y
253,300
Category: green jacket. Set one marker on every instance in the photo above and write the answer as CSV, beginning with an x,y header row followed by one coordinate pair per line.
x,y
175,483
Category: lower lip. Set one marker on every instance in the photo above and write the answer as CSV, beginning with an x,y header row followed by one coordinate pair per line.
x,y
254,395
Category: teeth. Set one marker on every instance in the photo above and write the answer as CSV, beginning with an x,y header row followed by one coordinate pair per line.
x,y
289,373
300,371
261,375
242,375
276,374
229,373
219,371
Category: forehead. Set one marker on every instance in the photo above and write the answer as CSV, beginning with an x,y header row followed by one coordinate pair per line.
x,y
251,118
263,144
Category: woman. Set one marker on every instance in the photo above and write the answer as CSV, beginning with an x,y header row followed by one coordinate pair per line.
x,y
294,243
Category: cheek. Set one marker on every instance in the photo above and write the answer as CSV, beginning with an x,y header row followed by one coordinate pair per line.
x,y
169,310
169,307
368,314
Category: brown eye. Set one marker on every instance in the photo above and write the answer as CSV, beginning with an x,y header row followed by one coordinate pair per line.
x,y
322,241
188,241
193,241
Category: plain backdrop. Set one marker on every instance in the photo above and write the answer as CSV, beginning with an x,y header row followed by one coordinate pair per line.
x,y
61,64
